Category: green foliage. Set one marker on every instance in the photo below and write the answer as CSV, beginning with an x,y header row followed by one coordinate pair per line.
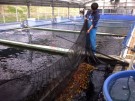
x,y
20,11
1,20
38,12
11,9
24,8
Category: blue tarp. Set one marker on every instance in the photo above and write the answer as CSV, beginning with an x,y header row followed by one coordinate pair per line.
x,y
118,17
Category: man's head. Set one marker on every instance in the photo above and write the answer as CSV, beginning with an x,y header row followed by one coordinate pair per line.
x,y
94,6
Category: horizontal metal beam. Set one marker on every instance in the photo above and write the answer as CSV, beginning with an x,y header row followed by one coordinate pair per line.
x,y
66,31
35,47
41,3
76,32
109,34
50,49
90,1
56,30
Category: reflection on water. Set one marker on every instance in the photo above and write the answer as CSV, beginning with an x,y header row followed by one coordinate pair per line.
x,y
43,37
113,30
123,89
62,26
15,62
114,27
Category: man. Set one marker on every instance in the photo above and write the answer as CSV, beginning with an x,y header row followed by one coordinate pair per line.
x,y
92,27
88,14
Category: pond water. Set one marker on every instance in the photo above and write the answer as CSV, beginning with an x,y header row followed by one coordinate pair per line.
x,y
15,62
18,61
123,89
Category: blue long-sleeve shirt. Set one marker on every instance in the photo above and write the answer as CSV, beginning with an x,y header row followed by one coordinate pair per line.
x,y
88,14
95,18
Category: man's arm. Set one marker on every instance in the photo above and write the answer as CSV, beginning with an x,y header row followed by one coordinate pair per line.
x,y
94,22
89,28
95,19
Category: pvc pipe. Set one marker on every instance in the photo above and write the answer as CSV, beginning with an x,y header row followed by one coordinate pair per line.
x,y
50,49
35,47
57,30
76,32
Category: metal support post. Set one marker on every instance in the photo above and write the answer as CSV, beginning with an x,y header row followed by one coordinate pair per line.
x,y
3,15
16,13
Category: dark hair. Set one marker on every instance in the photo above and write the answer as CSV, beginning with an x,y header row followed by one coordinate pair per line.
x,y
94,6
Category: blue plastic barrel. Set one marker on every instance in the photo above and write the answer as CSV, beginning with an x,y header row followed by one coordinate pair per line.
x,y
109,81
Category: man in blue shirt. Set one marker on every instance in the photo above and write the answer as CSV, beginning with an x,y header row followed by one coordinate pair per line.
x,y
95,16
88,14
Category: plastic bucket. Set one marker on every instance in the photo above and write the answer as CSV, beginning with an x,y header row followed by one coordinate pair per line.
x,y
109,81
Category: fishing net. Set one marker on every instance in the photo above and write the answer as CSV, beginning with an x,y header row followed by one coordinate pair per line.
x,y
44,83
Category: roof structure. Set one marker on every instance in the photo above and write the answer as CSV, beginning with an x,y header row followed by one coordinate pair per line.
x,y
55,3
70,3
109,4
